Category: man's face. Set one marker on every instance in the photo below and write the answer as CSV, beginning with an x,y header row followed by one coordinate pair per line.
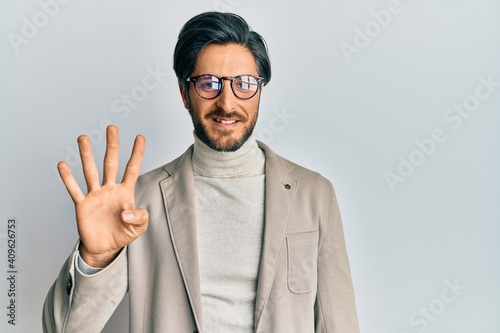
x,y
225,122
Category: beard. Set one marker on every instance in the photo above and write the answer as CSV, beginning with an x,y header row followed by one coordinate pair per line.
x,y
225,142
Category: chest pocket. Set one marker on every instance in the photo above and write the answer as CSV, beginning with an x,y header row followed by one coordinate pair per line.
x,y
302,251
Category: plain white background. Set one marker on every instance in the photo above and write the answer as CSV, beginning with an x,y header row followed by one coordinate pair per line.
x,y
358,89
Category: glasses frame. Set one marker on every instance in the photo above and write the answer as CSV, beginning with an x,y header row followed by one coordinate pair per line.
x,y
260,80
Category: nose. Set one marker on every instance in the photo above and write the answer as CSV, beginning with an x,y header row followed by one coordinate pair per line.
x,y
226,100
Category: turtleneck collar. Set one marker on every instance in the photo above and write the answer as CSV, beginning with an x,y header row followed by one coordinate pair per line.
x,y
248,160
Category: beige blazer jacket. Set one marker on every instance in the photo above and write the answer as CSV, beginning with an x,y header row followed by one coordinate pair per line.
x,y
304,282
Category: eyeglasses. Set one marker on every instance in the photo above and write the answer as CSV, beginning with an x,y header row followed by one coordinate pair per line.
x,y
209,86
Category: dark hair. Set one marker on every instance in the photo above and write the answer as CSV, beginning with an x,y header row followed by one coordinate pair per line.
x,y
217,28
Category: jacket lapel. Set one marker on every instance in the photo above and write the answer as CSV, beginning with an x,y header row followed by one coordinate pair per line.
x,y
179,199
280,193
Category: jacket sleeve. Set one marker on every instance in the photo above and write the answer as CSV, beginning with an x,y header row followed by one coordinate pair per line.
x,y
78,302
335,308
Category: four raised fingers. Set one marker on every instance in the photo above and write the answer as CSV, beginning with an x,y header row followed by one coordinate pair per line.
x,y
110,166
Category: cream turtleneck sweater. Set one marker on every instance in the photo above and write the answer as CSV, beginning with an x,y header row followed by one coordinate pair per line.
x,y
229,190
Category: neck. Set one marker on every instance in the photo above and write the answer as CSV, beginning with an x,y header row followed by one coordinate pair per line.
x,y
248,160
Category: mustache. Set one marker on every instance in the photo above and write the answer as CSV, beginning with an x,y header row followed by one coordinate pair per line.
x,y
218,113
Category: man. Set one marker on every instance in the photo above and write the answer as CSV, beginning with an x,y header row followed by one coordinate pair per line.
x,y
229,237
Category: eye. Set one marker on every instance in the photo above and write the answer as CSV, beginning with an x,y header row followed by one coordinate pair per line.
x,y
242,85
208,83
245,82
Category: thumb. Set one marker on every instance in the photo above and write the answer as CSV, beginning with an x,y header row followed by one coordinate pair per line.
x,y
138,216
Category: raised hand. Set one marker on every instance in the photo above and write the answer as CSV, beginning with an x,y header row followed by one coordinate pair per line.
x,y
106,216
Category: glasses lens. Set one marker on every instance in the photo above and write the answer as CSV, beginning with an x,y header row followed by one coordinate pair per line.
x,y
208,86
245,86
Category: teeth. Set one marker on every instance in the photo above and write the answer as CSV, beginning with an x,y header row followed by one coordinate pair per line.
x,y
226,122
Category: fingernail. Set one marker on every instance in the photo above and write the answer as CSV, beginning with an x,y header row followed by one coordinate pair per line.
x,y
128,216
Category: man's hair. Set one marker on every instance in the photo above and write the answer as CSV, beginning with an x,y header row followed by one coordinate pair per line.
x,y
222,29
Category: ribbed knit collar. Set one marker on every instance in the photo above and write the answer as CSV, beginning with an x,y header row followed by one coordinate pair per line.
x,y
248,160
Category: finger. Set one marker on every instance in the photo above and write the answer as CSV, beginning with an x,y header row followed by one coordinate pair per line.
x,y
111,158
138,217
69,181
134,163
89,168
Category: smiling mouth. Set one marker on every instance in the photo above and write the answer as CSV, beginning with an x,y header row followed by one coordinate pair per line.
x,y
225,122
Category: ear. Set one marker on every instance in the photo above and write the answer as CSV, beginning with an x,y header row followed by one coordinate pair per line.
x,y
184,95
